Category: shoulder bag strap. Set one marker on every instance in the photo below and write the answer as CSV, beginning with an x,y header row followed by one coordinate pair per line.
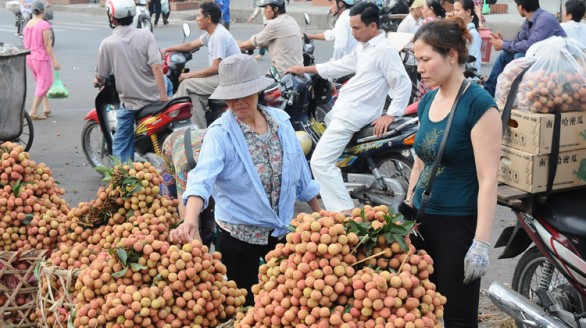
x,y
427,193
188,150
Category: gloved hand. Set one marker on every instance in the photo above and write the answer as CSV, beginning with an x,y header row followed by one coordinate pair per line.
x,y
476,261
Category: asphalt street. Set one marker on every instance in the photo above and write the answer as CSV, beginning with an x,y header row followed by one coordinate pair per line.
x,y
58,139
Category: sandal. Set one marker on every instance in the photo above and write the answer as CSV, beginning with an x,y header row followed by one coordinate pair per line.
x,y
37,117
47,114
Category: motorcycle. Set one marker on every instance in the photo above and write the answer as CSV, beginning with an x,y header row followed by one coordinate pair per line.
x,y
376,170
549,281
392,12
142,18
153,124
21,22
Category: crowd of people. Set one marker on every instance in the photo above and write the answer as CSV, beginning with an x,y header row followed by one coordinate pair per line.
x,y
249,160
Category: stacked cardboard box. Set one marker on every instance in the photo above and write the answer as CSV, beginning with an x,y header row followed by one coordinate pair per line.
x,y
527,147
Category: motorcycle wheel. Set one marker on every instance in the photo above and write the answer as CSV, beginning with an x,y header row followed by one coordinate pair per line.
x,y
398,167
332,19
145,23
529,272
28,133
94,145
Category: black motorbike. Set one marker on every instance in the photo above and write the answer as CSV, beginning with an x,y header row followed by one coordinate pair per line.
x,y
376,170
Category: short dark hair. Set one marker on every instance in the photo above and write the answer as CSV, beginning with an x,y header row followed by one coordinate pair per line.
x,y
528,5
126,21
577,8
212,10
444,35
343,4
437,8
368,11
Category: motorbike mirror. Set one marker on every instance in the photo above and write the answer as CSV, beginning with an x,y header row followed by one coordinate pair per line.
x,y
274,73
186,30
307,19
471,59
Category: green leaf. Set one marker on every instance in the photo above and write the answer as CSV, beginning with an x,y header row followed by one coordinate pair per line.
x,y
137,267
120,273
103,168
122,255
292,228
107,178
16,188
403,244
348,308
158,277
27,219
111,251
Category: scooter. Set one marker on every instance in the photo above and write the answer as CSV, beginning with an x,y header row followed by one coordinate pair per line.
x,y
142,18
549,282
376,170
153,124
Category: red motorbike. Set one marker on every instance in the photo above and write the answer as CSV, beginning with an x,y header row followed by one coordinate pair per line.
x,y
153,124
549,282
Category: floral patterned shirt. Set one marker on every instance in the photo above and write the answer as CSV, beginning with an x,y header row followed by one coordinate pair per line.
x,y
267,156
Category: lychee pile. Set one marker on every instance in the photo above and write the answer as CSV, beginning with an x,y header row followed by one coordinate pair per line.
x,y
145,282
128,206
335,271
32,211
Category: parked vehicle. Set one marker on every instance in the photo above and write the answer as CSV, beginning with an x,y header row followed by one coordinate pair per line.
x,y
376,170
549,282
392,13
153,124
142,19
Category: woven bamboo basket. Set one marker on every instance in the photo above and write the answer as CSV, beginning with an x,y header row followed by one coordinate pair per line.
x,y
227,324
55,298
19,287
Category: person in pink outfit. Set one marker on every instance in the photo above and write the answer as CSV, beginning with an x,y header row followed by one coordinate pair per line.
x,y
37,39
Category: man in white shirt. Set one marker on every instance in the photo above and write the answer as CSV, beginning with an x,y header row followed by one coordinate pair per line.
x,y
379,71
412,22
201,84
573,24
344,41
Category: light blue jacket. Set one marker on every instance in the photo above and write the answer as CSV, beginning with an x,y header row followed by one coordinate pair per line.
x,y
226,172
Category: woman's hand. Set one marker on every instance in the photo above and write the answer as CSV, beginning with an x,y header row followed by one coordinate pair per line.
x,y
185,233
56,65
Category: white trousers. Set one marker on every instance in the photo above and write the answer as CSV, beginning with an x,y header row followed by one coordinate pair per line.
x,y
323,165
199,89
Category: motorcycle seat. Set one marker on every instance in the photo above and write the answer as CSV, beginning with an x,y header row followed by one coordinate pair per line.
x,y
158,107
368,131
566,211
215,104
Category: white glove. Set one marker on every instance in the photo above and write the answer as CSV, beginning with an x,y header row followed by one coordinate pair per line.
x,y
476,261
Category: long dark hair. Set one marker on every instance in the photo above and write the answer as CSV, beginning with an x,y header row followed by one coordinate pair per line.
x,y
436,7
469,5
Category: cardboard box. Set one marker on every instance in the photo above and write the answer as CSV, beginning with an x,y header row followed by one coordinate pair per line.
x,y
532,132
528,172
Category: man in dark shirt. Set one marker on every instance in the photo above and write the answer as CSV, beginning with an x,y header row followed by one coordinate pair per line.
x,y
538,26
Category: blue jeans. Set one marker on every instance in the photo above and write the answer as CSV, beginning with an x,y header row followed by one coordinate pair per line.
x,y
499,66
123,143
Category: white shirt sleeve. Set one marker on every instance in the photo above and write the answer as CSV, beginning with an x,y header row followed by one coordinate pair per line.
x,y
400,91
339,67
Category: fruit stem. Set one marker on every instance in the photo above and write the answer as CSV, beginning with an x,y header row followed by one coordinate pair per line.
x,y
361,241
368,258
404,259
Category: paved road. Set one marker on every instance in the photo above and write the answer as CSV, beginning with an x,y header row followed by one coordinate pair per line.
x,y
57,140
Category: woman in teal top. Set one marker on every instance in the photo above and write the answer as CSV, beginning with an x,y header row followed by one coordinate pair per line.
x,y
457,223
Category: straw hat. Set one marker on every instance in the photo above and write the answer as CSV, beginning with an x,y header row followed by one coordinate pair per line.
x,y
239,78
417,4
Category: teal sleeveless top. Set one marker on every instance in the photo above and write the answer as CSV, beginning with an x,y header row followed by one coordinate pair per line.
x,y
455,189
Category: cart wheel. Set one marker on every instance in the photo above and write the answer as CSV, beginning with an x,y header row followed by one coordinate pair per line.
x,y
28,133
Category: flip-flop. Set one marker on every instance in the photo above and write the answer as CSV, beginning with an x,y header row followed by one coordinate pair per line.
x,y
37,117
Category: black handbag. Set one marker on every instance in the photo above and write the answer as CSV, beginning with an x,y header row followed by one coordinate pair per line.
x,y
405,209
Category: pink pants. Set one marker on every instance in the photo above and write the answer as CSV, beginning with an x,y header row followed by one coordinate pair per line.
x,y
43,74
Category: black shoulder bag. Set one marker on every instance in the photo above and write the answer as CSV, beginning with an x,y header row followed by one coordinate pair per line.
x,y
408,211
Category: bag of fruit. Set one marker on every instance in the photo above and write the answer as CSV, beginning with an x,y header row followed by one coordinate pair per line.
x,y
556,82
504,81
